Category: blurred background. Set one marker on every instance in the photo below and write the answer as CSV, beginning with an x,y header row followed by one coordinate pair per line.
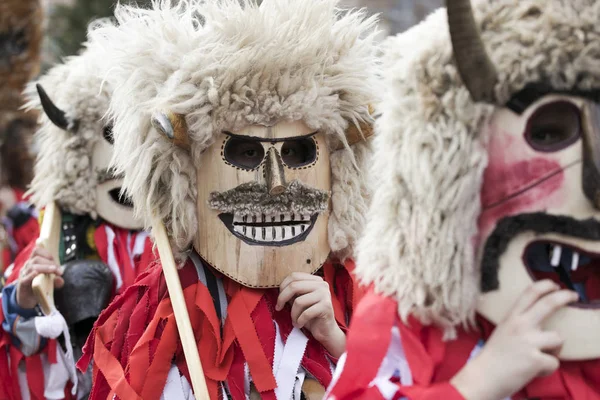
x,y
67,20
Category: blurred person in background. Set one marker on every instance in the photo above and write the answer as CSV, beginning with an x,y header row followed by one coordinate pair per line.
x,y
20,45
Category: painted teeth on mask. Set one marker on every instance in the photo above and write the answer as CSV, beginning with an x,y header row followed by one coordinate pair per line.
x,y
556,253
575,261
277,232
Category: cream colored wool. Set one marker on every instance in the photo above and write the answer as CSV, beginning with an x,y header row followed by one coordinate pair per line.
x,y
63,170
429,160
248,64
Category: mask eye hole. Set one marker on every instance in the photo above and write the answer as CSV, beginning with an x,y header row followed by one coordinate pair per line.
x,y
554,126
246,154
299,152
108,134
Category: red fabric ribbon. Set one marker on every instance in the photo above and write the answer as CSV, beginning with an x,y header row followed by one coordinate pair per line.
x,y
248,336
33,365
433,361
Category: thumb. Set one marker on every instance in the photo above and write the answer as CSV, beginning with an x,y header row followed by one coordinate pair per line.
x,y
58,282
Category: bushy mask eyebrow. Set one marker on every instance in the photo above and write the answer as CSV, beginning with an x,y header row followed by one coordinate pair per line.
x,y
532,92
268,140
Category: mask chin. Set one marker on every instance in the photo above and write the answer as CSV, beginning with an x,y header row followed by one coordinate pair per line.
x,y
530,247
114,208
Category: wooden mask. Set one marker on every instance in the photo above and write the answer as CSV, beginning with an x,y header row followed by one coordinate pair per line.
x,y
263,203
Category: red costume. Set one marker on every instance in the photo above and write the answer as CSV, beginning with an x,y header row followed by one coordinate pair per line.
x,y
135,338
131,262
431,362
21,226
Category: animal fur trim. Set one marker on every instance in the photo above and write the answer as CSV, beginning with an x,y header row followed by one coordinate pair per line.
x,y
253,198
226,64
419,244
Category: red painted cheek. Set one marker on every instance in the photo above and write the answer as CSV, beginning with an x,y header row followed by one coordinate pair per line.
x,y
523,187
517,180
502,181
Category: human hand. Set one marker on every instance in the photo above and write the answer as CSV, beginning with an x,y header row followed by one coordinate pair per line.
x,y
40,262
310,299
519,350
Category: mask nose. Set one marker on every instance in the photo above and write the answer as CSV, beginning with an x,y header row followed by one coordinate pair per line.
x,y
591,153
274,173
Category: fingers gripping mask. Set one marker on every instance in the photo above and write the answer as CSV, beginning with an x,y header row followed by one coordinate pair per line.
x,y
540,213
263,203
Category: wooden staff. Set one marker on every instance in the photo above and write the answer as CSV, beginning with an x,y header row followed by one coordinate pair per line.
x,y
182,318
43,285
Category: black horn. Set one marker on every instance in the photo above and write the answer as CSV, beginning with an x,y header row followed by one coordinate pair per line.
x,y
55,114
474,65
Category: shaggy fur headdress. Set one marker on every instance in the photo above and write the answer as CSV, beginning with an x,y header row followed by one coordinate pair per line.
x,y
63,169
429,161
226,64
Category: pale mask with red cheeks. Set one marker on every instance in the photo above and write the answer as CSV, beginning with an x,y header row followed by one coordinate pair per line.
x,y
111,204
540,211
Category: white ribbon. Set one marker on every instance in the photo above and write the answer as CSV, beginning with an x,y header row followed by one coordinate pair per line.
x,y
287,363
51,326
112,260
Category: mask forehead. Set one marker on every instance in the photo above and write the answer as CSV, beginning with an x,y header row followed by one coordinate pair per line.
x,y
249,232
278,132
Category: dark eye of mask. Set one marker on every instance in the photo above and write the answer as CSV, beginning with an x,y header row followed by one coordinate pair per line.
x,y
246,154
554,126
299,152
108,134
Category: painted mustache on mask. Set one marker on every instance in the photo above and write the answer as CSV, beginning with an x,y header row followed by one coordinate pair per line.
x,y
253,198
107,174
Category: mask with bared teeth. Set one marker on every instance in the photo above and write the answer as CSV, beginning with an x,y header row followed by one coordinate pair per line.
x,y
540,206
497,147
263,194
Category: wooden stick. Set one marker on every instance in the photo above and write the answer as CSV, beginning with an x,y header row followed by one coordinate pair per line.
x,y
43,285
182,318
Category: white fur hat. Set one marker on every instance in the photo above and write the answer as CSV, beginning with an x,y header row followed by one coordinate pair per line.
x,y
429,160
63,170
225,64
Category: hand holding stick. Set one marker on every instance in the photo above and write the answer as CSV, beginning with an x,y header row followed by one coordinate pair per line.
x,y
43,285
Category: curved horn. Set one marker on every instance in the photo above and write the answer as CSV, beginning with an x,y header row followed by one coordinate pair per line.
x,y
474,65
173,127
55,114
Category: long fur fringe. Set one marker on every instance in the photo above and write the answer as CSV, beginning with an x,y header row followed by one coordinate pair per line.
x,y
225,64
419,244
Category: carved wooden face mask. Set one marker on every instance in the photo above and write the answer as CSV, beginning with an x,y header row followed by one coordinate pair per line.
x,y
263,203
540,214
